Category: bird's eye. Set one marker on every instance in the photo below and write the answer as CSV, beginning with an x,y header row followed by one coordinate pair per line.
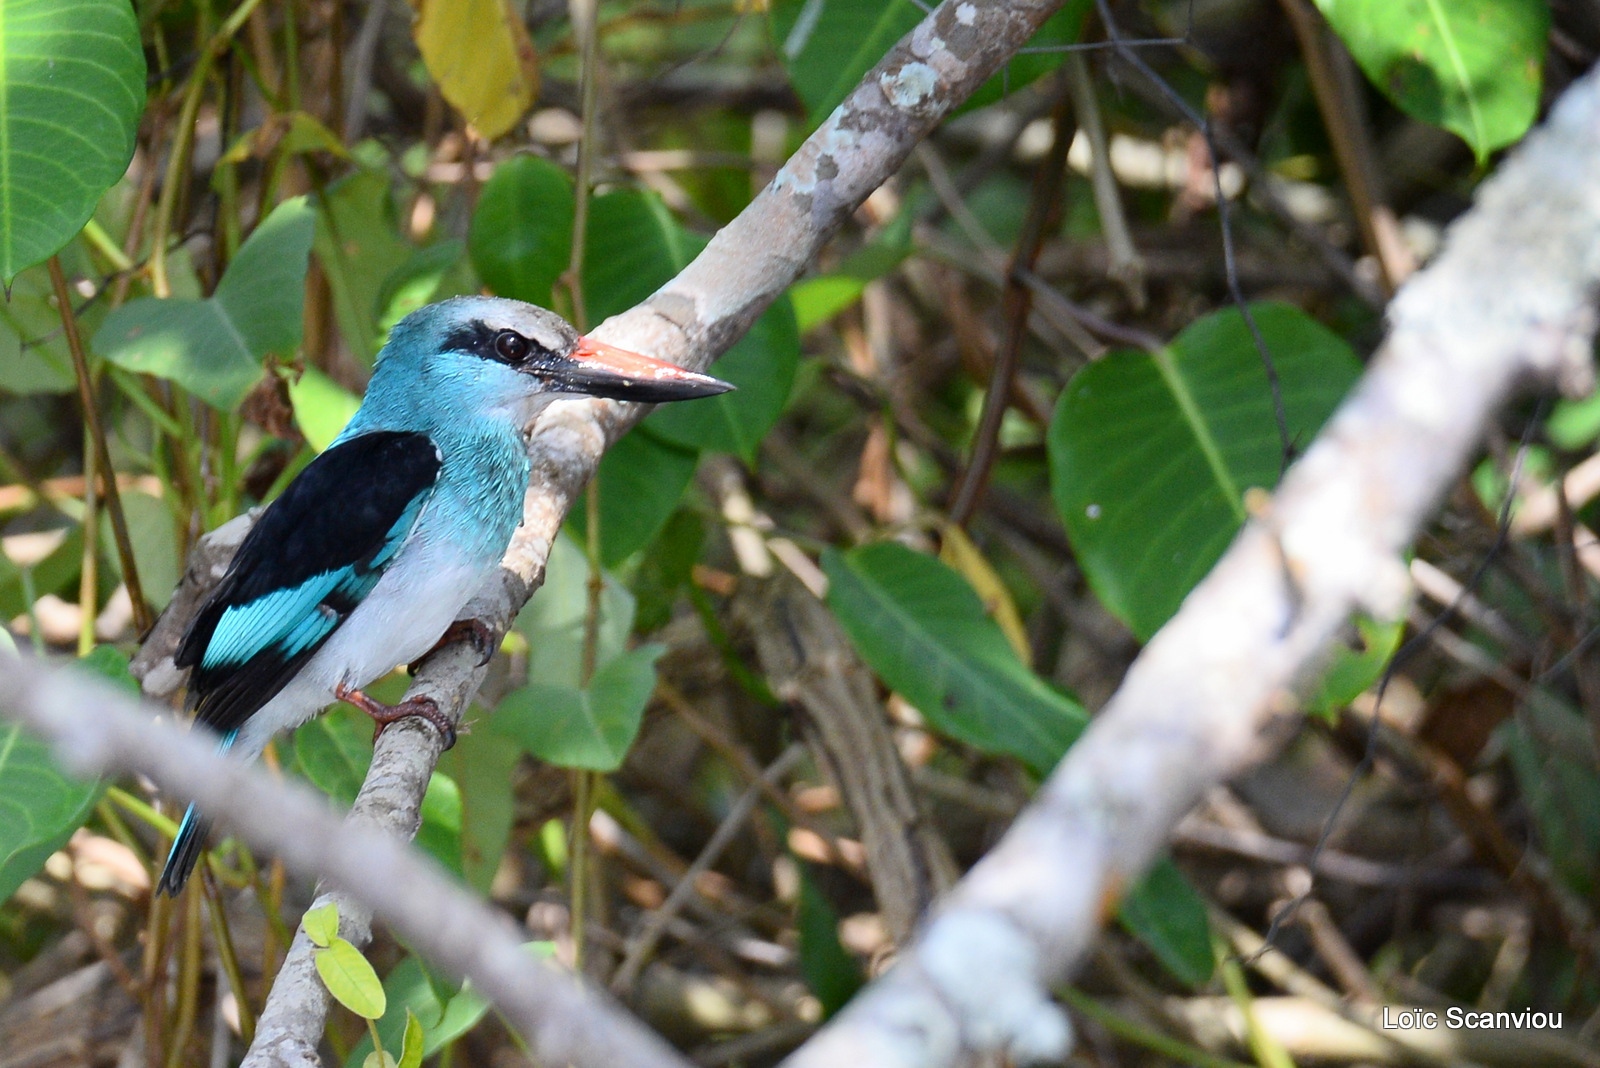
x,y
510,346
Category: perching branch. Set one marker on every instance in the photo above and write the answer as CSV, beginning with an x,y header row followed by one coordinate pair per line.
x,y
690,321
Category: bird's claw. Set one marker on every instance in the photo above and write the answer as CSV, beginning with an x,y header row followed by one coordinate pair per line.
x,y
383,715
475,631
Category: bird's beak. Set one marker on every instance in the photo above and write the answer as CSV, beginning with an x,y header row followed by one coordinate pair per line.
x,y
600,370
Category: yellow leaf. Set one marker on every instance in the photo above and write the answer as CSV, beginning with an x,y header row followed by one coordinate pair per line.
x,y
479,53
351,980
322,925
958,551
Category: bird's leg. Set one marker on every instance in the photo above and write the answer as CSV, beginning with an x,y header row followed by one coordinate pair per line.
x,y
475,631
383,714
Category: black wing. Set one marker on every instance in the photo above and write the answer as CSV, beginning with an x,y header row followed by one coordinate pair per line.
x,y
314,554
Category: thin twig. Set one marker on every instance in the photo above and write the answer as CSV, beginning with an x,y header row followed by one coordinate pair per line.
x,y
102,457
1042,211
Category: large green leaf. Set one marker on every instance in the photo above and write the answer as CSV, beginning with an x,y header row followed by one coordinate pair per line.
x,y
482,766
923,629
213,348
520,239
588,728
553,619
40,805
71,93
635,247
641,480
360,247
1471,66
827,45
1150,455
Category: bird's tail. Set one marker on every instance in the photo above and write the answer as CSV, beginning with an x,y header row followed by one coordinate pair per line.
x,y
190,842
186,850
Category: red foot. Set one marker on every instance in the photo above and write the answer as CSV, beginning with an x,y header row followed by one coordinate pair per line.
x,y
475,631
383,715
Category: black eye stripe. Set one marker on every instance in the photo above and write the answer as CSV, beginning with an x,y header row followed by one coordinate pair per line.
x,y
483,341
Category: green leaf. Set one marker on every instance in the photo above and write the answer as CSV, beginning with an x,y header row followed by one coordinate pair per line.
x,y
360,247
590,728
641,480
433,273
666,568
1352,671
213,348
762,365
33,351
155,545
411,1047
635,247
553,620
832,973
1167,914
818,299
322,924
71,93
1150,455
379,1060
482,765
410,994
333,751
1035,60
350,979
827,45
440,833
520,239
1470,66
922,628
40,805
322,407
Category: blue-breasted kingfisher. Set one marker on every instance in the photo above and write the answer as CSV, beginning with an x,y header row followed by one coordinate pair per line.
x,y
367,558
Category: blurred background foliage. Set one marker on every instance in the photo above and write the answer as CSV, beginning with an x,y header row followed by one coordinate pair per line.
x,y
1016,410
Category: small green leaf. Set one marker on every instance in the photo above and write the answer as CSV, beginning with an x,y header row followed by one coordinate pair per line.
x,y
1150,455
213,348
923,629
1471,66
590,728
409,991
350,979
1352,671
411,1048
378,1060
1167,914
520,239
71,93
832,973
322,924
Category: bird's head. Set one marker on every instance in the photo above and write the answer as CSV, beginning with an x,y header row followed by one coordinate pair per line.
x,y
489,354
